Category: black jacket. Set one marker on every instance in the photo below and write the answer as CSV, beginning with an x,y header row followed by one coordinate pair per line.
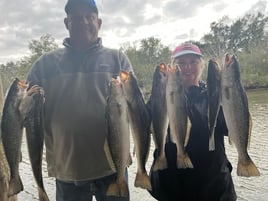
x,y
210,179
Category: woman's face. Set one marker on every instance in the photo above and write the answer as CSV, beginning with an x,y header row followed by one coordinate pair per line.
x,y
191,68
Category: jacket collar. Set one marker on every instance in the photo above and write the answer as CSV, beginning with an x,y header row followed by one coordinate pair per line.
x,y
67,43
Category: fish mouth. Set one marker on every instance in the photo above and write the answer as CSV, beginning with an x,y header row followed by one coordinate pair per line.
x,y
21,83
116,80
163,68
124,76
228,59
173,69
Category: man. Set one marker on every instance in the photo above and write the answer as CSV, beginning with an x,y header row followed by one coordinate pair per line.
x,y
75,80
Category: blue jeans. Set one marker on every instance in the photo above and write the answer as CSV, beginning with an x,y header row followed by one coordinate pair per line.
x,y
85,190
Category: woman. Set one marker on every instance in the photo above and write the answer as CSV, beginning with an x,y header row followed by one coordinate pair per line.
x,y
210,178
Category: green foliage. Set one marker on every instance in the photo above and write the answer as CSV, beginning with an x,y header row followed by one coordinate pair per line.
x,y
37,47
254,67
144,59
20,69
245,37
241,35
8,73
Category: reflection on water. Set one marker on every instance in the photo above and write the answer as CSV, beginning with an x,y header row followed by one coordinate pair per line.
x,y
248,189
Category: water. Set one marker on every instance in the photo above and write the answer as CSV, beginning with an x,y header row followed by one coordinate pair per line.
x,y
254,188
248,189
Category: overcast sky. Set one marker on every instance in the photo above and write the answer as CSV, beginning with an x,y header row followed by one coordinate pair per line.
x,y
173,21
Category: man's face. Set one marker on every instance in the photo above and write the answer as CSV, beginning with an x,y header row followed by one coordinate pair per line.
x,y
83,26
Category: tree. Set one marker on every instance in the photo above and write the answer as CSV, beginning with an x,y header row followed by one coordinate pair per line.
x,y
255,30
19,69
37,48
144,57
151,49
241,35
45,44
8,72
216,42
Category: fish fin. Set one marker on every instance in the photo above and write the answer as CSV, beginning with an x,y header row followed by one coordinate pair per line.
x,y
15,186
249,130
118,189
119,108
151,128
4,189
188,128
142,180
129,161
208,112
131,130
160,163
247,168
4,181
109,155
42,195
184,161
134,150
3,196
212,140
172,98
124,191
227,93
211,127
113,190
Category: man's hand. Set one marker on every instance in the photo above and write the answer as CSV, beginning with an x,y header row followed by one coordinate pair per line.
x,y
28,100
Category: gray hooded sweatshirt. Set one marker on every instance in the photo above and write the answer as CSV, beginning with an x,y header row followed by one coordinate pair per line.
x,y
75,128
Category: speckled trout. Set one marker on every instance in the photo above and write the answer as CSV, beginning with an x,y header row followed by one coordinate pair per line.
x,y
140,126
236,112
118,137
214,91
12,126
179,122
159,115
35,136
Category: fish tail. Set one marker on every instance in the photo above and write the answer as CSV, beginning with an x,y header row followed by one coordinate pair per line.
x,y
183,161
42,195
142,180
118,189
212,140
247,168
129,161
188,128
4,184
3,194
160,163
113,190
15,186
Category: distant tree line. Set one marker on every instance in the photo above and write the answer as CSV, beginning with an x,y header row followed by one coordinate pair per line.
x,y
246,37
20,68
